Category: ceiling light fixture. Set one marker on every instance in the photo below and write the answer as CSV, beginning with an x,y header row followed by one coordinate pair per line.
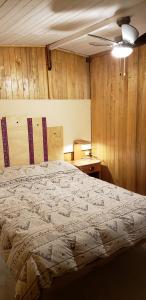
x,y
121,51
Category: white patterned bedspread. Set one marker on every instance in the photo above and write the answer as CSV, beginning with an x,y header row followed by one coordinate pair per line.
x,y
55,219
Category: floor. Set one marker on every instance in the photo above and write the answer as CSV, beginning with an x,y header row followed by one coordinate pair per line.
x,y
122,279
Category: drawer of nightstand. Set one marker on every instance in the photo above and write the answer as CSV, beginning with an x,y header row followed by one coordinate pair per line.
x,y
90,168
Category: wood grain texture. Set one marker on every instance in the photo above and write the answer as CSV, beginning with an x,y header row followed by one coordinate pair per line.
x,y
38,140
23,73
141,126
39,22
69,77
55,143
17,129
18,140
77,151
119,118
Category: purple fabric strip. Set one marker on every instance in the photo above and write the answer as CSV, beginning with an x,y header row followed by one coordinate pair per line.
x,y
5,142
45,143
30,140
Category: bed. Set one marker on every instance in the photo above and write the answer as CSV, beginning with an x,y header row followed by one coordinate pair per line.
x,y
56,220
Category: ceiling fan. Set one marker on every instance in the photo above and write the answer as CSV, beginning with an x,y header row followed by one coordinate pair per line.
x,y
123,45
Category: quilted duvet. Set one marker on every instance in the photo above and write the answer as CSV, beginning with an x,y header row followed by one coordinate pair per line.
x,y
54,219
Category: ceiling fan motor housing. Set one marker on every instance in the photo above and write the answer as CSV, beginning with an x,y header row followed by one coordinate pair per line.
x,y
123,20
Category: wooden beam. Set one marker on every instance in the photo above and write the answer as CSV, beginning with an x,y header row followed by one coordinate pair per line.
x,y
48,58
94,27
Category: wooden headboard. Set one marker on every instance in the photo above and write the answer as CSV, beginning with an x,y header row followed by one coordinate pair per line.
x,y
29,141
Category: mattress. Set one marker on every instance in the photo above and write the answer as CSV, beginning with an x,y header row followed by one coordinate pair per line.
x,y
56,220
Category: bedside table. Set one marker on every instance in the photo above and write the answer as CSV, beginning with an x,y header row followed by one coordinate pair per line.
x,y
90,166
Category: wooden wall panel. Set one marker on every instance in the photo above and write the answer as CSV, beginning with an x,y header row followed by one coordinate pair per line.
x,y
132,121
23,73
141,125
69,77
119,118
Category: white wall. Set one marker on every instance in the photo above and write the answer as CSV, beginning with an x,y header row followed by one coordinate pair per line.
x,y
73,115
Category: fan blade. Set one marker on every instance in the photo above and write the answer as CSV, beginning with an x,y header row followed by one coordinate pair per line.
x,y
97,45
102,38
129,33
140,41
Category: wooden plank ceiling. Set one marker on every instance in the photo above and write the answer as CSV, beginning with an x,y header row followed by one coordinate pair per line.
x,y
41,22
